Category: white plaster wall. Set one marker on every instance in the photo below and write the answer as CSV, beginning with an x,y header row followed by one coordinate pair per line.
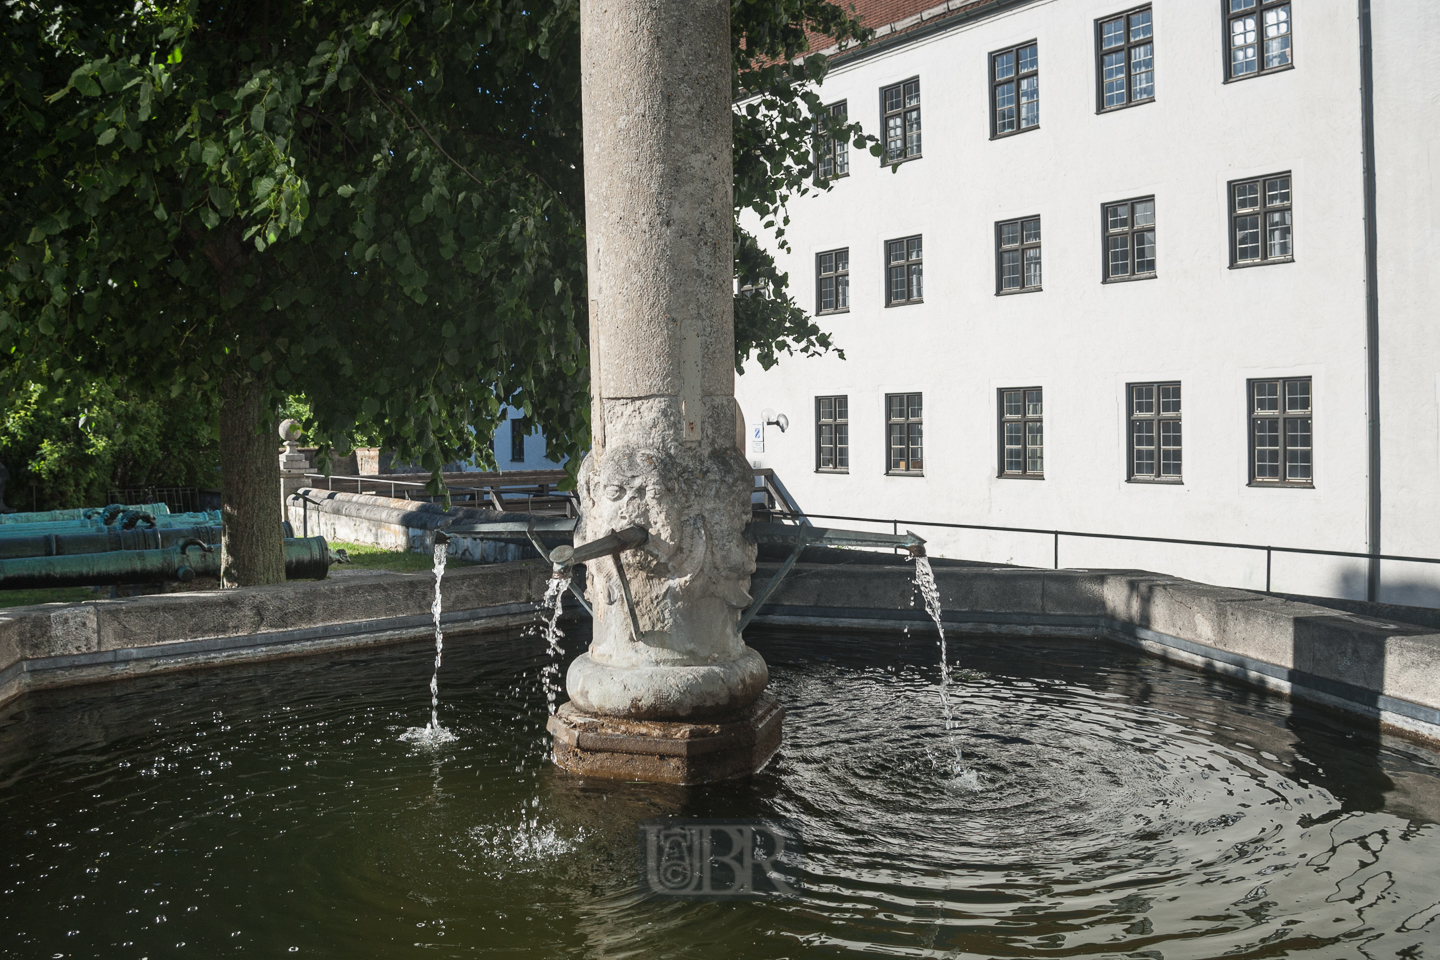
x,y
1407,147
1199,322
535,458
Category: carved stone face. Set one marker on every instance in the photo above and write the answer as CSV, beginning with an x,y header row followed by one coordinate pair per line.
x,y
693,506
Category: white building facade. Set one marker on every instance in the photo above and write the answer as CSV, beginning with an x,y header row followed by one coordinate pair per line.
x,y
1121,284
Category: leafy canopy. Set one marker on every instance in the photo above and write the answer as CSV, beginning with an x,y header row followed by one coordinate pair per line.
x,y
379,206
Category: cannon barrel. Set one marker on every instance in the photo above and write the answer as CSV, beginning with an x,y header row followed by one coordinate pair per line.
x,y
305,559
81,513
198,519
104,540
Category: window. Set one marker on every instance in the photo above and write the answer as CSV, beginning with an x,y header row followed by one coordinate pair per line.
x,y
1155,431
1281,452
1127,59
833,155
905,275
907,447
518,429
832,282
1130,239
832,434
1022,433
1009,68
1250,52
900,116
1017,259
1260,217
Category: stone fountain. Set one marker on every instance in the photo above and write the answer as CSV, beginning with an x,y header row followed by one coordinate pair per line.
x,y
668,690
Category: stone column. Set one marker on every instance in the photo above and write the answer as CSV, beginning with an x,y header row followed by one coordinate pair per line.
x,y
668,439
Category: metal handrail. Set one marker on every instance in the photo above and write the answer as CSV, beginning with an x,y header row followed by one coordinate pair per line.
x,y
495,491
1057,534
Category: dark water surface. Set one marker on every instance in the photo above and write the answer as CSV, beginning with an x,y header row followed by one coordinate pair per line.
x,y
1126,808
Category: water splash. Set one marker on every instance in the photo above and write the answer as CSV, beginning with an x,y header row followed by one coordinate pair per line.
x,y
432,733
954,767
551,604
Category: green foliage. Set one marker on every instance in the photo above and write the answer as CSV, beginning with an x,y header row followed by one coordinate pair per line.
x,y
80,442
26,598
365,556
376,206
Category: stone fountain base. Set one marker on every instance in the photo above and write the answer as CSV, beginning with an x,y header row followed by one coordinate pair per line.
x,y
667,751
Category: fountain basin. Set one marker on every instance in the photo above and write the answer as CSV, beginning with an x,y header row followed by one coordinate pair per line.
x,y
1126,806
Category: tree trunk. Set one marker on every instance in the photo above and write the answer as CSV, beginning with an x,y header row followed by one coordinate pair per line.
x,y
251,551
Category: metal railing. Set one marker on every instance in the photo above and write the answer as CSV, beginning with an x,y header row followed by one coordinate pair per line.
x,y
178,499
1269,549
501,496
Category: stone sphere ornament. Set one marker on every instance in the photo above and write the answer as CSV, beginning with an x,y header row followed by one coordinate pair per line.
x,y
290,431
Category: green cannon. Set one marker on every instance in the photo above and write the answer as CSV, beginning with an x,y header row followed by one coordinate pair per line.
x,y
82,513
120,521
305,559
103,540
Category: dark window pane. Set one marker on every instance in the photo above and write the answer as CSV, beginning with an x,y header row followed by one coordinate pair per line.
x,y
1145,251
1170,398
1033,405
1144,398
1297,396
1010,270
1013,407
1118,256
1267,449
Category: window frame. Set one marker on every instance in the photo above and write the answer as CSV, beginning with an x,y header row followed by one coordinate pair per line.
x,y
835,422
1106,233
1234,214
1101,51
904,111
835,275
836,151
519,430
1024,419
995,132
1283,415
1021,247
1158,417
910,445
887,263
1228,16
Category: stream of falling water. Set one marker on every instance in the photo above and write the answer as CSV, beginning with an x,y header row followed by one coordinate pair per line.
x,y
432,733
551,605
959,775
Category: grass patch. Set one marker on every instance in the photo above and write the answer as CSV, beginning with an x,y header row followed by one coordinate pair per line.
x,y
365,556
24,598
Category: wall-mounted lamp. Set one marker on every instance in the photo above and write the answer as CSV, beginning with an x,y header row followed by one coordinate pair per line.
x,y
773,419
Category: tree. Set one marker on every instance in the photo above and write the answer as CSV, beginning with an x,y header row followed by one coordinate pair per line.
x,y
79,442
378,206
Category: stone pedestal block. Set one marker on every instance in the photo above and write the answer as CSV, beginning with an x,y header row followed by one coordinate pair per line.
x,y
664,751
